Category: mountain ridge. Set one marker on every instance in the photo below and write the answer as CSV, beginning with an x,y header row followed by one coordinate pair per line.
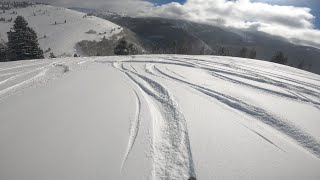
x,y
214,37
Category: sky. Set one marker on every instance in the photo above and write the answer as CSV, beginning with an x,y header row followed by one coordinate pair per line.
x,y
314,5
296,20
161,2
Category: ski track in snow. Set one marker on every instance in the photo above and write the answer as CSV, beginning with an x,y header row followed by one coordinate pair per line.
x,y
306,141
171,149
28,78
295,92
134,129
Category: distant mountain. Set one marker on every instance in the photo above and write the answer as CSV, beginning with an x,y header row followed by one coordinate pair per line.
x,y
160,35
157,36
59,29
265,44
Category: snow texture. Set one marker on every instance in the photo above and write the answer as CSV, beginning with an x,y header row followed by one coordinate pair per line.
x,y
158,117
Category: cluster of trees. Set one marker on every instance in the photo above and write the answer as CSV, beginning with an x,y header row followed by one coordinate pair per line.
x,y
15,4
222,51
279,58
3,19
244,52
22,43
125,48
247,53
182,46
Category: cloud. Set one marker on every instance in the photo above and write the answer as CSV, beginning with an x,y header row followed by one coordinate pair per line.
x,y
293,23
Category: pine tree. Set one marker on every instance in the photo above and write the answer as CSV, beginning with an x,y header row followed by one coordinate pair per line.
x,y
252,54
121,48
52,56
301,65
132,50
175,46
243,52
22,42
3,52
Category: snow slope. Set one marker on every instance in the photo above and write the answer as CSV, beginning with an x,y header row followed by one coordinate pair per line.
x,y
158,117
62,37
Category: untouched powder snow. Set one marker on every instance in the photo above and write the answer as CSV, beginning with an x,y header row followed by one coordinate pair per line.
x,y
158,117
61,37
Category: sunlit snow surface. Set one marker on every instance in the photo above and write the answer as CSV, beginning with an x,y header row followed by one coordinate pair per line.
x,y
158,117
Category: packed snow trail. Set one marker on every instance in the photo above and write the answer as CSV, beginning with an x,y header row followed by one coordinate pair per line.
x,y
158,117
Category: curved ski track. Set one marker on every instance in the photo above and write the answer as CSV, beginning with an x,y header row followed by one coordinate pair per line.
x,y
171,149
294,91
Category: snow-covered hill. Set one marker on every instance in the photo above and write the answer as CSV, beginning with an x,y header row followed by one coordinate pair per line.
x,y
49,23
158,117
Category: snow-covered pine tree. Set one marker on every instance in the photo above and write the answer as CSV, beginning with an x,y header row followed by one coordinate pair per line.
x,y
22,42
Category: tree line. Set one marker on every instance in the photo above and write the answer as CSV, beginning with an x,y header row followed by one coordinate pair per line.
x,y
16,4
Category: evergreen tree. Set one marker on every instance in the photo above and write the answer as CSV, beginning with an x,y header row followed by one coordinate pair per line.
x,y
252,54
223,52
132,50
243,52
175,46
279,58
301,65
3,52
121,48
52,56
22,42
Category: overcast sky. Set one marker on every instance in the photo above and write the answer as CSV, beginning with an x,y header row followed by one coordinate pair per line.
x,y
297,20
